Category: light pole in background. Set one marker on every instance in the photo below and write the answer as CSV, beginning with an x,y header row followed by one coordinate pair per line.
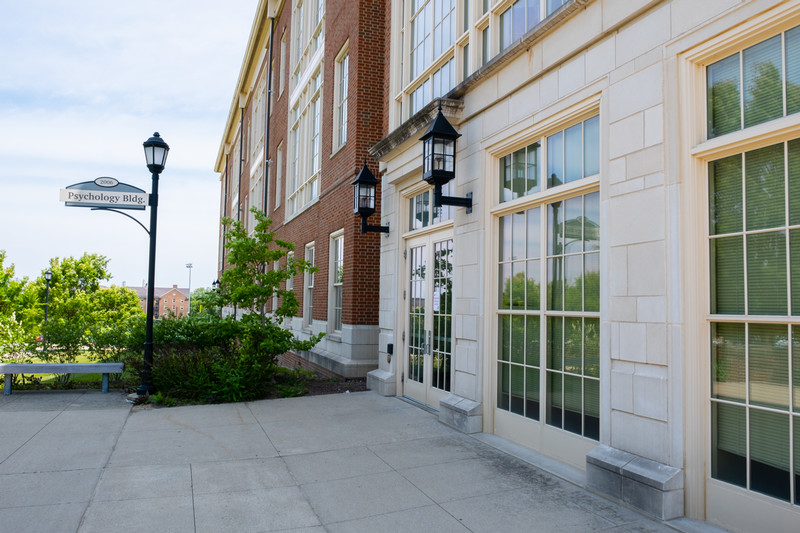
x,y
155,152
189,266
47,277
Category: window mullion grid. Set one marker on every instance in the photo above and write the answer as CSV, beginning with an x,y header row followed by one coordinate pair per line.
x,y
747,399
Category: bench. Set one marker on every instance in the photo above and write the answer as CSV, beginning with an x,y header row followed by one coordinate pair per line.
x,y
10,369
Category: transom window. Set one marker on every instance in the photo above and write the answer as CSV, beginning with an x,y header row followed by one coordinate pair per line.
x,y
571,154
754,256
549,340
421,212
757,84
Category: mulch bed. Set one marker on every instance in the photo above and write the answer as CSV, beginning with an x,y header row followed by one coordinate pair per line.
x,y
318,387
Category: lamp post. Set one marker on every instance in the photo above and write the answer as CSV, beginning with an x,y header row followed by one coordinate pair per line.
x,y
48,275
189,310
155,153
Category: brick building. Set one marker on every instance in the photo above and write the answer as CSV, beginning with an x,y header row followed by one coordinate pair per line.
x,y
309,103
167,301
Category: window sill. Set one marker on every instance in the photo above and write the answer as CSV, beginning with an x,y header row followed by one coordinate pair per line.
x,y
334,337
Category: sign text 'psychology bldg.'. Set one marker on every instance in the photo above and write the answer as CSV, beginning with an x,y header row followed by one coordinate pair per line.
x,y
104,192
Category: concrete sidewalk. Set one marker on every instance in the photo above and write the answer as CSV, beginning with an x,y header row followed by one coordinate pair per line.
x,y
85,461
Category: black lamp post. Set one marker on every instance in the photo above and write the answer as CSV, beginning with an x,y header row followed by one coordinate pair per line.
x,y
439,160
48,275
155,153
364,199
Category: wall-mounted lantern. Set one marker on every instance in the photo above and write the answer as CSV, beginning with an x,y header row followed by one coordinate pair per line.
x,y
439,160
364,199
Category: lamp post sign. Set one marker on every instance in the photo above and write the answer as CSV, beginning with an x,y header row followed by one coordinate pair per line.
x,y
105,193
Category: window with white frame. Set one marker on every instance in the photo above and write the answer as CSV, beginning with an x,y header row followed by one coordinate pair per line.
x,y
754,85
427,36
429,32
422,213
569,155
337,281
753,246
308,288
518,20
306,160
278,175
282,64
548,295
342,78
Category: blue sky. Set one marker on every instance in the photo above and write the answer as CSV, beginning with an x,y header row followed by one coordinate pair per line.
x,y
82,85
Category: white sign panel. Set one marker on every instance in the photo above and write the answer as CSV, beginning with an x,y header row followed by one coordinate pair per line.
x,y
104,193
104,198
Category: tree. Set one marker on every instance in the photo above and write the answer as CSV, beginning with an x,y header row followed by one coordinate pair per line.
x,y
13,292
81,313
206,302
259,266
252,282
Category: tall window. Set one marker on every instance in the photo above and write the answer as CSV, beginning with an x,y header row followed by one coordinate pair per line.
x,y
548,358
340,111
754,272
548,353
337,280
278,175
431,29
303,187
282,66
308,292
752,86
754,255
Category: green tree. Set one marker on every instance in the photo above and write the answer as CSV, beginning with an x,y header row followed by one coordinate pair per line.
x,y
82,314
251,281
206,302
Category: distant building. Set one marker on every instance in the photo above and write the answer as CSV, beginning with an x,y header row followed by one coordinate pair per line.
x,y
173,300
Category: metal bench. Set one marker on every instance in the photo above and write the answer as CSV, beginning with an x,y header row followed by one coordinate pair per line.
x,y
9,369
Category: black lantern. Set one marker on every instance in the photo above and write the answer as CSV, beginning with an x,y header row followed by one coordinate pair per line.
x,y
155,152
439,151
439,160
364,198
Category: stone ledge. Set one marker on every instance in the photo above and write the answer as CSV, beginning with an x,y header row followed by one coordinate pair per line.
x,y
655,488
461,414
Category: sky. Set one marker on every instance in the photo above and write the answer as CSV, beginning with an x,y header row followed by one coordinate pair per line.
x,y
82,86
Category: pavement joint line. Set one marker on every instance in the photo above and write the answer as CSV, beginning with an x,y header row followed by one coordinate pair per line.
x,y
104,467
58,413
194,509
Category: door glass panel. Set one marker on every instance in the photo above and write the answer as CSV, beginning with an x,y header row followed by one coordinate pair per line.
x,y
416,318
443,314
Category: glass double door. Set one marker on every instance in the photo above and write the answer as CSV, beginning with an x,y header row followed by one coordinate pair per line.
x,y
429,318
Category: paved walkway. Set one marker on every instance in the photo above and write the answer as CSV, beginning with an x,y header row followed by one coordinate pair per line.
x,y
87,462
